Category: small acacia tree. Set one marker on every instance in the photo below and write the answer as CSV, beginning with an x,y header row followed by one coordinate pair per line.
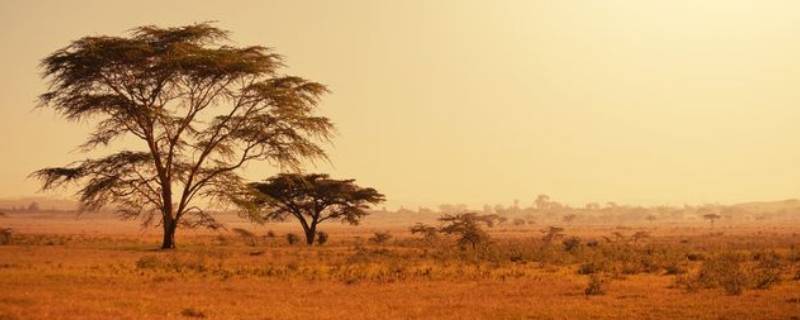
x,y
468,227
712,217
429,233
200,110
310,198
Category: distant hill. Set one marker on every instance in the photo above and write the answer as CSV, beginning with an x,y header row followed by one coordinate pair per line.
x,y
769,206
44,203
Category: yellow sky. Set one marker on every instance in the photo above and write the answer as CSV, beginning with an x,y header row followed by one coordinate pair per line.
x,y
478,102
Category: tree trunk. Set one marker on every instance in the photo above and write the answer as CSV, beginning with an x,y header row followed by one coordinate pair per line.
x,y
310,235
309,230
169,235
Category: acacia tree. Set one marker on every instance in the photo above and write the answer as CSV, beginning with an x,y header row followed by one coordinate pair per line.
x,y
309,198
199,109
468,227
711,217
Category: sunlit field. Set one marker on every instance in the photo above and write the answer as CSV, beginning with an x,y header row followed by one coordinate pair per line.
x,y
361,159
56,267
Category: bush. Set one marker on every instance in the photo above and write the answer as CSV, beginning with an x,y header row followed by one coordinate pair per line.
x,y
192,313
148,262
675,269
380,237
571,244
592,267
248,237
292,238
322,237
5,236
270,234
767,271
595,286
724,271
695,256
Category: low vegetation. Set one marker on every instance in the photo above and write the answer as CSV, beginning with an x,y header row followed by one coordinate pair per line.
x,y
662,267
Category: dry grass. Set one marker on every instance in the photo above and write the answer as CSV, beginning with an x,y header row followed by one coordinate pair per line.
x,y
674,274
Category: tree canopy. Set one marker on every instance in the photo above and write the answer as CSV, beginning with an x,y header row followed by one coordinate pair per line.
x,y
468,227
200,108
309,198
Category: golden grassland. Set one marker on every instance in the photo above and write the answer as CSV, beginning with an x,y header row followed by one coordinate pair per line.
x,y
64,269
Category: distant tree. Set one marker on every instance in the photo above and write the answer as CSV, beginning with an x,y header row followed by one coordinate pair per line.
x,y
200,108
639,236
542,202
501,220
429,233
552,233
651,218
518,222
380,237
569,218
310,198
33,207
468,227
248,237
711,217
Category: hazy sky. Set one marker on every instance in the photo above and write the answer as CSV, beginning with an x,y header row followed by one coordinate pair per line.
x,y
478,102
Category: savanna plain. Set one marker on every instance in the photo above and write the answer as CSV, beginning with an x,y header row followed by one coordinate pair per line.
x,y
59,266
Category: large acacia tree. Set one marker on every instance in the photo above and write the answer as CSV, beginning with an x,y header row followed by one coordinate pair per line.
x,y
197,109
310,199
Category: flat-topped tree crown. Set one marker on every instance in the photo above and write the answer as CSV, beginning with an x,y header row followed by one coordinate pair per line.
x,y
201,110
311,199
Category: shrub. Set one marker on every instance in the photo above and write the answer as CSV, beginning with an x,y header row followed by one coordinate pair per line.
x,y
724,270
592,267
694,256
687,282
192,313
794,254
675,269
571,244
148,262
6,236
767,271
292,238
270,234
380,237
322,237
595,286
248,237
552,233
